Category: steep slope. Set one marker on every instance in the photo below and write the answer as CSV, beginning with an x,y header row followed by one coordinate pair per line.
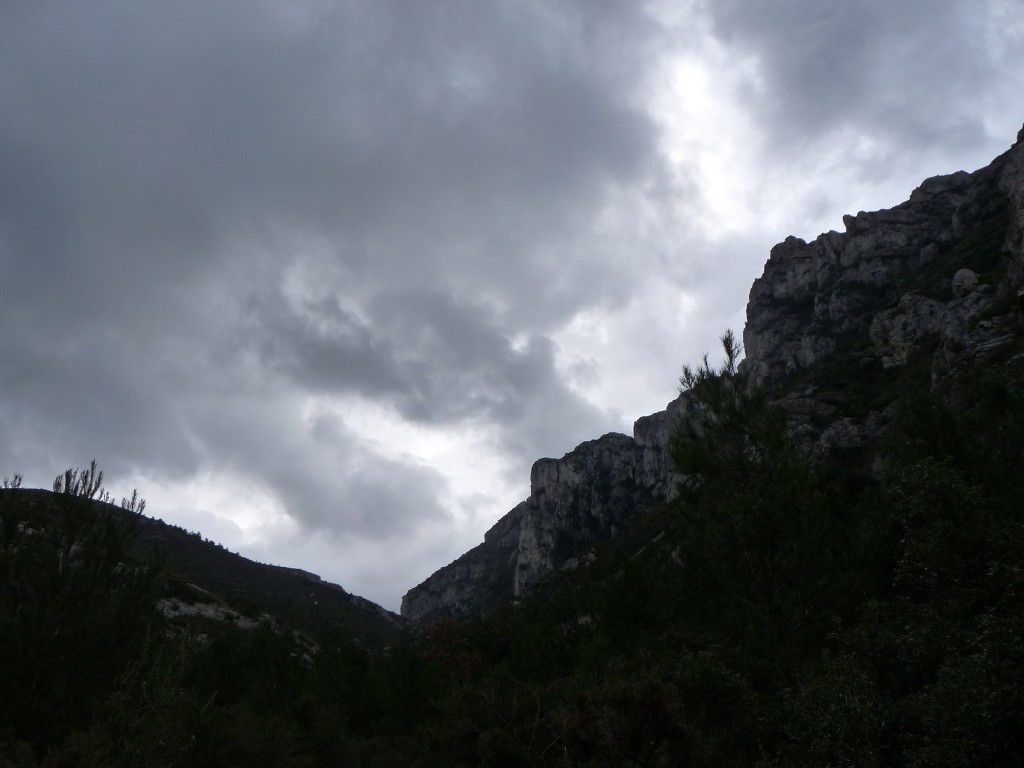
x,y
585,497
201,569
929,288
834,329
297,598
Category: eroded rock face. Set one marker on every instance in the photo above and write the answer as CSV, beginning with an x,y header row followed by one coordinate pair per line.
x,y
936,279
586,496
901,331
965,281
475,583
916,276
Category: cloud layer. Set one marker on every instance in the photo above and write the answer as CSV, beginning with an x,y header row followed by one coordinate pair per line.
x,y
325,277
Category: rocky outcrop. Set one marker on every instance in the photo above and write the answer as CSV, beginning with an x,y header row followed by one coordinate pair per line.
x,y
586,496
920,276
935,282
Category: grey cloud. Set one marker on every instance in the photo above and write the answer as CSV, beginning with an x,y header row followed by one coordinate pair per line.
x,y
321,346
888,70
153,151
368,498
145,146
327,478
437,359
165,168
359,115
215,214
88,393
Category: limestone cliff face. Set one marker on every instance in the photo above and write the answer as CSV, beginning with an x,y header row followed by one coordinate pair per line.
x,y
586,496
918,274
933,281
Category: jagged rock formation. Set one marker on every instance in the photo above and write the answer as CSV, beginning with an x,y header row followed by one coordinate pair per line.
x,y
586,496
931,284
920,273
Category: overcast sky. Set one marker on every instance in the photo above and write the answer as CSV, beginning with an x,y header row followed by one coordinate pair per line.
x,y
322,278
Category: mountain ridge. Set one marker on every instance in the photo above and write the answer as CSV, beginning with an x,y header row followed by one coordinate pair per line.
x,y
926,287
207,570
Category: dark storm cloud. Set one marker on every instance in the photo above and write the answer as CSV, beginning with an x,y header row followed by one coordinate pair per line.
x,y
212,213
152,150
915,73
459,363
140,139
328,479
322,346
268,241
435,358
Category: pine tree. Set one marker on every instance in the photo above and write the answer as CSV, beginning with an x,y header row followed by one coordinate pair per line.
x,y
762,542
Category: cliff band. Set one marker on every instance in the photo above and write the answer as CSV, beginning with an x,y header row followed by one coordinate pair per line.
x,y
933,283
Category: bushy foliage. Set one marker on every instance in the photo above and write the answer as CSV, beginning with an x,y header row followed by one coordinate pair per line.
x,y
75,607
780,614
764,544
776,615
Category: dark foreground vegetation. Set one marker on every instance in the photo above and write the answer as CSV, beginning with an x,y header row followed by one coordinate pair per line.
x,y
784,612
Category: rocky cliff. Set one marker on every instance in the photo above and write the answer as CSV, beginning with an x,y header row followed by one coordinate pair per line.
x,y
899,279
586,496
928,288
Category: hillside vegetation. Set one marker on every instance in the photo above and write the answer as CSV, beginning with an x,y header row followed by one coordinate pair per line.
x,y
784,611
